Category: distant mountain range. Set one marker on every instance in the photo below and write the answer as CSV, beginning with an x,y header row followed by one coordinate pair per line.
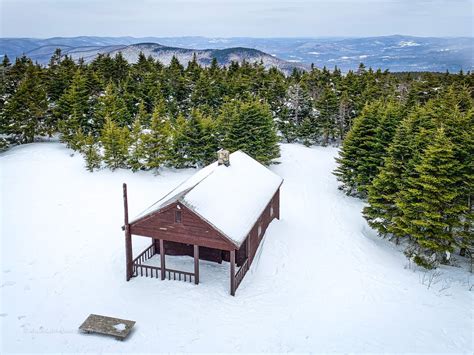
x,y
164,54
396,53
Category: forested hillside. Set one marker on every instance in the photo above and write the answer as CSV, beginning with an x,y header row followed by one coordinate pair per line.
x,y
147,115
408,142
414,163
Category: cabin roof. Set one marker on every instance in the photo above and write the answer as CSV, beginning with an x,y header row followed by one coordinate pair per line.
x,y
230,198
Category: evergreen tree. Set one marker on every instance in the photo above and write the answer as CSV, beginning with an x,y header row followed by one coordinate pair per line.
x,y
198,141
209,140
111,105
7,84
143,115
252,130
308,132
72,110
6,61
357,161
114,140
328,107
180,145
120,68
391,115
458,125
90,151
77,140
429,204
411,137
25,113
158,140
344,115
137,150
59,75
297,108
175,88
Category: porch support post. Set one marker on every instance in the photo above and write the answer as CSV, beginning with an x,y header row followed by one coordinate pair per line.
x,y
196,264
232,272
128,252
247,241
128,238
162,259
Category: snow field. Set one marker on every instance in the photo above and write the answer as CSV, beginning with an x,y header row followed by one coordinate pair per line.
x,y
322,281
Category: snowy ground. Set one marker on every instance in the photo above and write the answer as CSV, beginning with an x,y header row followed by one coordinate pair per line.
x,y
322,281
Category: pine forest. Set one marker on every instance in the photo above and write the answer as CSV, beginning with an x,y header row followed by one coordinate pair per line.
x,y
406,139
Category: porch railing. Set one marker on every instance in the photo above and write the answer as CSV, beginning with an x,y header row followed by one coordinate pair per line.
x,y
241,273
145,255
140,269
146,270
179,275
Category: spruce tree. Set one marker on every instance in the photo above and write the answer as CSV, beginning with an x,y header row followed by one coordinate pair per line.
x,y
308,132
6,61
72,110
411,136
142,114
25,113
157,140
137,150
59,75
114,140
392,114
90,151
328,107
77,140
429,205
344,115
198,141
357,161
110,104
252,130
179,153
459,128
297,107
209,140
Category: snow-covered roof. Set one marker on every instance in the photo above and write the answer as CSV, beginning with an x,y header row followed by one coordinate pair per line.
x,y
230,198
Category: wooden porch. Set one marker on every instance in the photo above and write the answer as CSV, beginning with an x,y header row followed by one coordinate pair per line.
x,y
139,268
142,269
177,238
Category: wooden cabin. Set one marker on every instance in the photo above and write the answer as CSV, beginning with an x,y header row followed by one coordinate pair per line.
x,y
219,214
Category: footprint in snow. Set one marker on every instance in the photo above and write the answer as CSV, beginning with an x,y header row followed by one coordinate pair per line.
x,y
20,317
6,271
3,314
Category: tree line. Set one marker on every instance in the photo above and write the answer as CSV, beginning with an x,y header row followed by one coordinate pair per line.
x,y
146,115
414,165
407,138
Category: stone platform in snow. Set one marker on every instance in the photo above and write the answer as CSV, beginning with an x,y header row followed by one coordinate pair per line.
x,y
116,327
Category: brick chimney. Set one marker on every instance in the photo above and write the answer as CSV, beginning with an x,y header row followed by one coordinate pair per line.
x,y
223,157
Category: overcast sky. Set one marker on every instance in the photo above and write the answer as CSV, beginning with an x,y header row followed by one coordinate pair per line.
x,y
230,18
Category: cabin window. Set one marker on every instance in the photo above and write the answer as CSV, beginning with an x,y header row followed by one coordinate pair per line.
x,y
177,216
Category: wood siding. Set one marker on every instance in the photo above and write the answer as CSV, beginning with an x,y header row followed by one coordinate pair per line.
x,y
180,237
191,230
263,222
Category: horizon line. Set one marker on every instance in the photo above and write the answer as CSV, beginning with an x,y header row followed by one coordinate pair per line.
x,y
234,37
